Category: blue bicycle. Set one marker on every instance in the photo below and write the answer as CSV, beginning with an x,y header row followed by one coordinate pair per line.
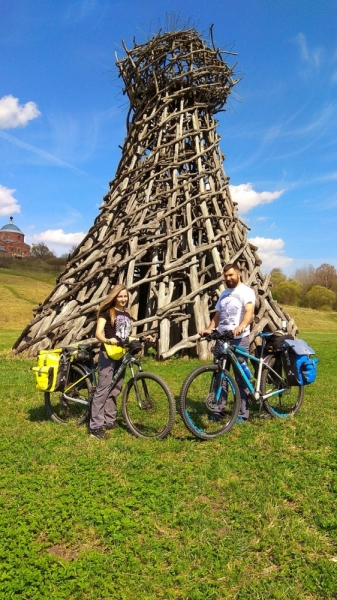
x,y
209,400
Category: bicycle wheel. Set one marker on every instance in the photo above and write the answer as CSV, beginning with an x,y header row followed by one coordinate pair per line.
x,y
198,407
287,402
60,408
148,406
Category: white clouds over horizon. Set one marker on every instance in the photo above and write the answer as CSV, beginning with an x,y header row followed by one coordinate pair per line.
x,y
12,114
57,240
8,204
271,253
58,237
247,198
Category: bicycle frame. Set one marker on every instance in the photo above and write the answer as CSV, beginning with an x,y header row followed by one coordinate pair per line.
x,y
128,360
232,353
89,372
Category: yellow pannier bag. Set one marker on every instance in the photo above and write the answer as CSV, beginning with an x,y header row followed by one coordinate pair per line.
x,y
46,372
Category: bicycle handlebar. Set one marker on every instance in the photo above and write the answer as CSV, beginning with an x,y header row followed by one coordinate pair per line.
x,y
225,336
123,343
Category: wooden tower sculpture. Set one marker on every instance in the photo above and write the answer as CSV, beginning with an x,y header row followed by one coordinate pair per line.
x,y
168,223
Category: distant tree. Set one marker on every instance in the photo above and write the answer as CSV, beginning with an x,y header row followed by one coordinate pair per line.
x,y
326,276
41,251
306,276
320,297
276,276
288,292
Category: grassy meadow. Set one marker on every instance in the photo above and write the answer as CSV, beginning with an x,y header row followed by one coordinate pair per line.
x,y
249,516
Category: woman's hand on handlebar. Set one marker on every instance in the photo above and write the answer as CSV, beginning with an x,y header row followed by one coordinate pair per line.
x,y
111,341
149,338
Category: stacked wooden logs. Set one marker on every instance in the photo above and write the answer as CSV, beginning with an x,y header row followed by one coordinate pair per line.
x,y
168,223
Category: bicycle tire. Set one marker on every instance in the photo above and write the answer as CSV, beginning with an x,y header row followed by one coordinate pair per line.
x,y
61,410
286,403
153,416
195,403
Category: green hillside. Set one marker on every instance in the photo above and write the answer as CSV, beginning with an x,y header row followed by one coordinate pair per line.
x,y
20,292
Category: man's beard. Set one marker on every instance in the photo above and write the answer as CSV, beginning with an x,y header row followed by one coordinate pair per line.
x,y
232,284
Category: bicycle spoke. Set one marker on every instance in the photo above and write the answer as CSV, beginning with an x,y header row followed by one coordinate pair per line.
x,y
148,406
288,400
209,408
72,404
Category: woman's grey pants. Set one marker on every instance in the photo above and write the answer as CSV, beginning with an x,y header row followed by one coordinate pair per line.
x,y
104,406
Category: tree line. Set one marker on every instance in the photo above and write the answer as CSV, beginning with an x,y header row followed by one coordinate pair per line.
x,y
41,253
308,287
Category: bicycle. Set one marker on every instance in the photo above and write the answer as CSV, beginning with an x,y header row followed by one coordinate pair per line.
x,y
211,387
148,405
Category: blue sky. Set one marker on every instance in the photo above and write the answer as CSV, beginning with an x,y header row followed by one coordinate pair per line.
x,y
62,115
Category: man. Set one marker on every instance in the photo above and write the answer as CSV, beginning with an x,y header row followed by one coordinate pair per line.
x,y
235,312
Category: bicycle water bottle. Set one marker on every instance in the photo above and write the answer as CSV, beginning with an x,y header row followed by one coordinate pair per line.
x,y
246,370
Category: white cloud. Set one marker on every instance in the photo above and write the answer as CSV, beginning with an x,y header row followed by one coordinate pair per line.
x,y
57,236
247,198
12,114
57,240
8,204
313,57
41,153
80,10
271,252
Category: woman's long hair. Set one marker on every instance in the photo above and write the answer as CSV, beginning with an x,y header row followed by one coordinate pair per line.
x,y
110,301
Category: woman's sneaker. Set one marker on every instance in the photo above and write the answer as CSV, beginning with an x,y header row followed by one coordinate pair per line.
x,y
110,426
97,433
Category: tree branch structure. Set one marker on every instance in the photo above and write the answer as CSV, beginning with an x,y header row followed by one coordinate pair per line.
x,y
168,223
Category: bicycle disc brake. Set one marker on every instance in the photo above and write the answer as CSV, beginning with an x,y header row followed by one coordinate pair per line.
x,y
147,404
211,402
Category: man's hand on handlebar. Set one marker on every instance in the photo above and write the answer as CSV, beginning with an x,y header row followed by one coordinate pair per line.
x,y
205,332
214,334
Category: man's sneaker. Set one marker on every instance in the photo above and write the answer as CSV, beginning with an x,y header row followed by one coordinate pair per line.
x,y
215,417
97,433
241,420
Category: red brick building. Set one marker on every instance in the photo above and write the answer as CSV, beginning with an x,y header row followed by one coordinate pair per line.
x,y
12,242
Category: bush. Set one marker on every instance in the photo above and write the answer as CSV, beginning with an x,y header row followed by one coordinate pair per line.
x,y
288,292
320,297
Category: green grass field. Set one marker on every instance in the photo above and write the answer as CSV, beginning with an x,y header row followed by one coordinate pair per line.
x,y
251,515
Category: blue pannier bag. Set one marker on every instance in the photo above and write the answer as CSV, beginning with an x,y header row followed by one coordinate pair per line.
x,y
299,368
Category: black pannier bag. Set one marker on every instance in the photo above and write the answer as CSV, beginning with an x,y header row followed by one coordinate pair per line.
x,y
299,368
276,342
62,371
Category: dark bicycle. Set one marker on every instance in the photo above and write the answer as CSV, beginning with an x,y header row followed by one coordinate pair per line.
x,y
147,402
209,399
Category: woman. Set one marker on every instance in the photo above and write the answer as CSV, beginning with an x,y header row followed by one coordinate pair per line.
x,y
114,325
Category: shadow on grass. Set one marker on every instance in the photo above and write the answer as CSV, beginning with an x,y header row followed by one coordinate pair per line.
x,y
37,414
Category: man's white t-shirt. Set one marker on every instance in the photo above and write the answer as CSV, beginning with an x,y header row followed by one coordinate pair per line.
x,y
231,305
